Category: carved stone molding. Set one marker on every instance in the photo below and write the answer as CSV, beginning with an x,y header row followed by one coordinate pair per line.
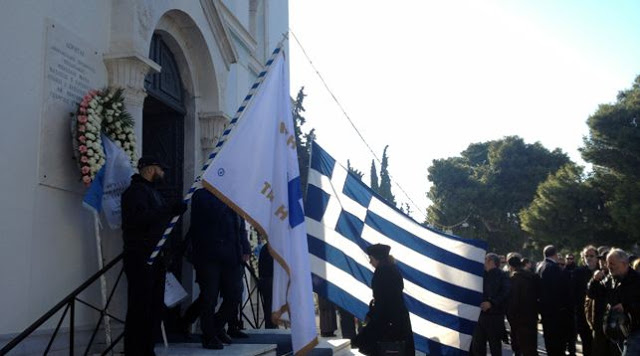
x,y
219,30
212,126
128,70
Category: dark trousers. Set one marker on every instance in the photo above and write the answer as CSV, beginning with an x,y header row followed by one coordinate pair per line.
x,y
490,329
347,324
266,289
145,303
602,346
217,279
572,334
193,311
555,327
524,338
327,311
585,333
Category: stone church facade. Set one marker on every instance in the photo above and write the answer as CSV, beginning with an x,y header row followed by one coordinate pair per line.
x,y
185,66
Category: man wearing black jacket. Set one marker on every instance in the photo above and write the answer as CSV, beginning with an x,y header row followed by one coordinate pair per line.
x,y
145,215
491,322
522,309
555,303
220,248
625,297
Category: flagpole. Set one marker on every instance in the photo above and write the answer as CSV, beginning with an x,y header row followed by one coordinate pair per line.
x,y
103,279
232,124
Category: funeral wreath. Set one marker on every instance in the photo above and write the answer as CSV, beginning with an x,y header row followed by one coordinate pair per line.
x,y
100,112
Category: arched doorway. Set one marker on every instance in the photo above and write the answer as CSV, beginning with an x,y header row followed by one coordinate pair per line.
x,y
163,137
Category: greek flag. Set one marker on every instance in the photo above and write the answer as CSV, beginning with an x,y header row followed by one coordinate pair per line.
x,y
442,274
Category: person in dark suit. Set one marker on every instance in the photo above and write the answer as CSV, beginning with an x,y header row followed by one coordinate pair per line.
x,y
145,215
220,248
265,284
555,302
522,309
388,316
580,279
495,293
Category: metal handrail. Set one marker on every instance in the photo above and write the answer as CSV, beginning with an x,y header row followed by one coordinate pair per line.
x,y
69,304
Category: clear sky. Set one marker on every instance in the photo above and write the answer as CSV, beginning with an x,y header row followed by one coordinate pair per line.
x,y
429,77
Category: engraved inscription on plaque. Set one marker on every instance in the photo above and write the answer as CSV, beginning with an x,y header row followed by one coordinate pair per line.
x,y
72,67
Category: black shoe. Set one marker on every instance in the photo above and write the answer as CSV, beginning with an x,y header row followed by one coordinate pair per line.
x,y
212,344
327,334
237,334
224,337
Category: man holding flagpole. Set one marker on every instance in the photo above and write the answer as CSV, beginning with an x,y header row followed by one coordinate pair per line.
x,y
144,217
256,173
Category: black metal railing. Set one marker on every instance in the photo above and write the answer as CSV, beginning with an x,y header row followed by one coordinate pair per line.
x,y
69,305
257,321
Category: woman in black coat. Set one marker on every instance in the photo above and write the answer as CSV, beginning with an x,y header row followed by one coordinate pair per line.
x,y
388,318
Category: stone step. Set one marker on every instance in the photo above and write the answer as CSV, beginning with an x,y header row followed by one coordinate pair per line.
x,y
195,349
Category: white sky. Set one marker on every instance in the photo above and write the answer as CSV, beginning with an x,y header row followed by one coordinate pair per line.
x,y
430,77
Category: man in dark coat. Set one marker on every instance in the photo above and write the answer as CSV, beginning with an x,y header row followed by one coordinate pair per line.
x,y
580,279
145,215
596,305
220,248
493,307
522,309
388,316
625,297
555,303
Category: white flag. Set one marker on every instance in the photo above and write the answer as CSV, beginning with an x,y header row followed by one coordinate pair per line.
x,y
117,178
256,172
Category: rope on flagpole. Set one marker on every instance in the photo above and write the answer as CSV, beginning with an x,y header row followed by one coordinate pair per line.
x,y
344,112
232,124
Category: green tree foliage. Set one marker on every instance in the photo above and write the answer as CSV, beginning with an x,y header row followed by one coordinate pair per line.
x,y
303,140
374,177
569,210
385,179
613,147
355,171
480,193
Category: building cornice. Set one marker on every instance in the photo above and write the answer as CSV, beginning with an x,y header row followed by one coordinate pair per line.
x,y
219,30
237,27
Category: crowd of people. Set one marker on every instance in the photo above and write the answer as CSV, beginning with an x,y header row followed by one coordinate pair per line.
x,y
597,300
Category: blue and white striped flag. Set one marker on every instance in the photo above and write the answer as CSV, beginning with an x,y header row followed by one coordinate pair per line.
x,y
442,274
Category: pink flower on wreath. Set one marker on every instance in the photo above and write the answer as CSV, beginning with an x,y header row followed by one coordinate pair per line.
x,y
82,139
93,92
81,128
83,109
84,159
82,148
85,170
86,180
82,119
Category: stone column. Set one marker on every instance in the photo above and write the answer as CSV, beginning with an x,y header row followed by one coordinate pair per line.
x,y
128,70
212,125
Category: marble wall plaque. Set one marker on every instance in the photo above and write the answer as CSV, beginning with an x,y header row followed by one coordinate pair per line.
x,y
72,67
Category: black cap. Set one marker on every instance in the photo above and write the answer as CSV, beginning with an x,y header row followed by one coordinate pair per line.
x,y
146,161
379,251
